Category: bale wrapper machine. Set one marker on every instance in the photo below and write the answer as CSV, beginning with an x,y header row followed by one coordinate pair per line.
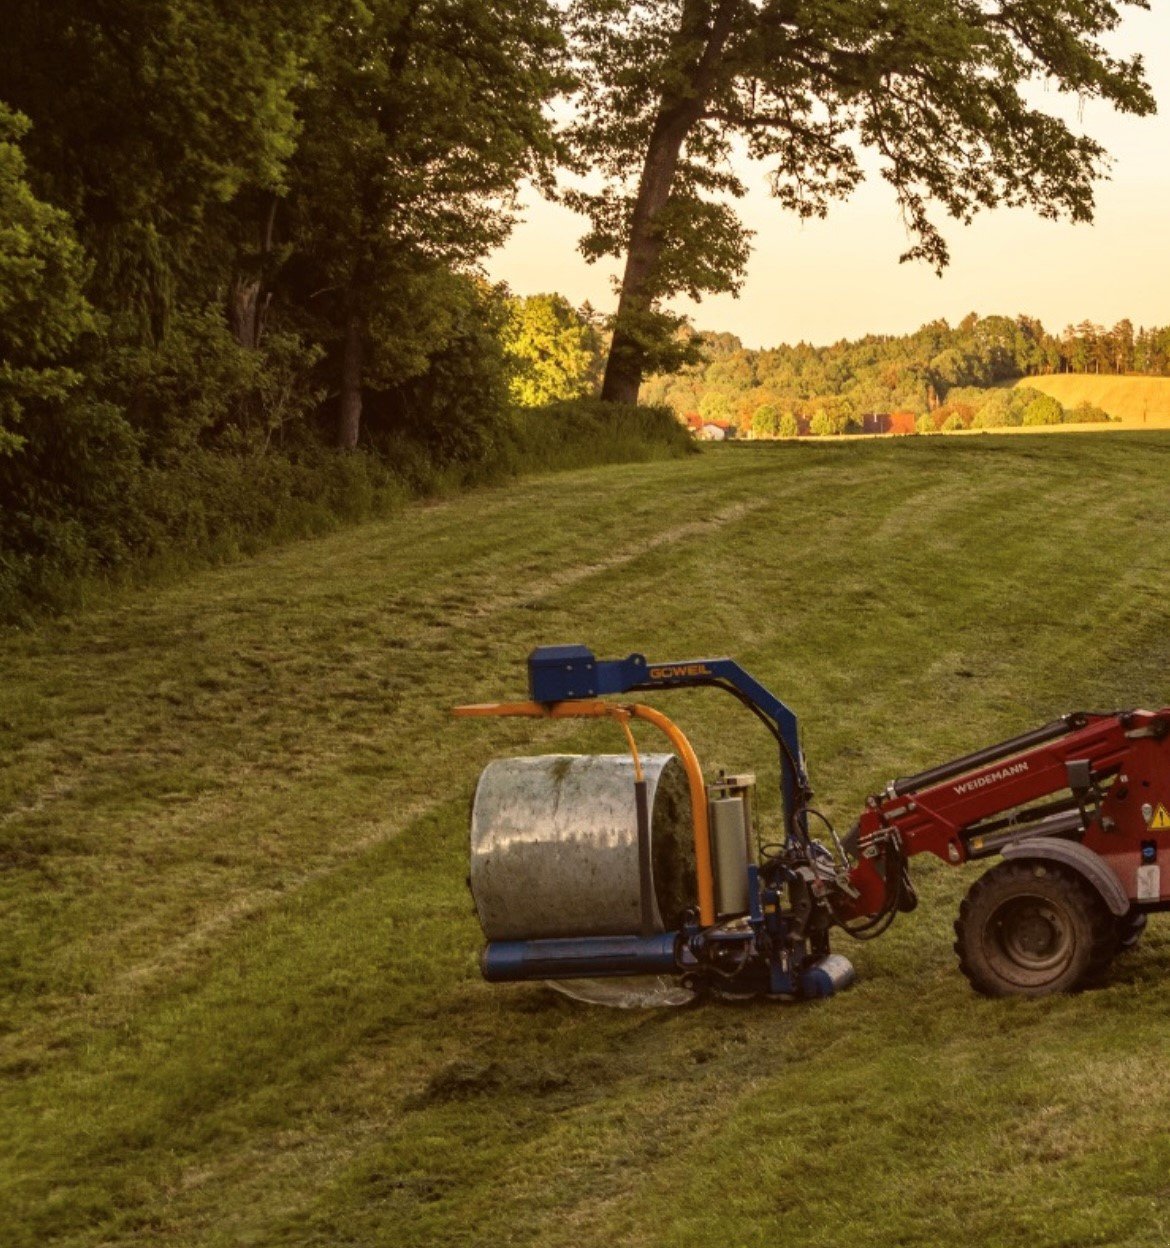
x,y
626,865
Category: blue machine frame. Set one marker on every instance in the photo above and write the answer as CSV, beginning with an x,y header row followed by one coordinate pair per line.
x,y
559,674
574,673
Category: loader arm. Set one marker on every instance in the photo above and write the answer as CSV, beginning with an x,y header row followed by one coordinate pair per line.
x,y
1098,780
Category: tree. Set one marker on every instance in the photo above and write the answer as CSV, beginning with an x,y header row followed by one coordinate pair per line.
x,y
149,118
830,415
1122,343
998,409
456,409
418,122
67,461
1043,410
668,86
42,308
716,406
556,350
765,421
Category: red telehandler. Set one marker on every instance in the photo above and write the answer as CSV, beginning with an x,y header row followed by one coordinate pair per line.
x,y
577,870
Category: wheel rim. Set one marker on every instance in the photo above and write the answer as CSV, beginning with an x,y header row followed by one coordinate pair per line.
x,y
1031,939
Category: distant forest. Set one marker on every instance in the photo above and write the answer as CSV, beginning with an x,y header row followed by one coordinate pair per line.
x,y
944,377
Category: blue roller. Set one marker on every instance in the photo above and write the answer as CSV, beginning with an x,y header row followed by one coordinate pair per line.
x,y
504,961
830,975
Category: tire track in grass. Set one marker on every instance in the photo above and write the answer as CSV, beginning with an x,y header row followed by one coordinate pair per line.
x,y
64,780
245,906
548,1134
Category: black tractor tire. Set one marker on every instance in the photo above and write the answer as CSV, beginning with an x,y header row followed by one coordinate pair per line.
x,y
1030,928
1130,929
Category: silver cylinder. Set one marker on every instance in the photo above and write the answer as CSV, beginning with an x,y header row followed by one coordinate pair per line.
x,y
554,845
729,849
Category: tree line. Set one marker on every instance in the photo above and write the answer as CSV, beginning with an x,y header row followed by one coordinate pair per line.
x,y
936,373
237,238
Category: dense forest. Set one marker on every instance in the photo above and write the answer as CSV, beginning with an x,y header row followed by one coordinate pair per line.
x,y
241,284
235,240
943,377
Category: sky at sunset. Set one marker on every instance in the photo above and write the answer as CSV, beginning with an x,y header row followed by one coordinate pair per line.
x,y
840,277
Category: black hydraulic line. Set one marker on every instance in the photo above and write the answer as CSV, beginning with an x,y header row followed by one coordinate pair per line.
x,y
645,859
876,924
990,754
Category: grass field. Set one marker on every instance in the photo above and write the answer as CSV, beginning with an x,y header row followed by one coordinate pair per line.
x,y
1137,402
240,998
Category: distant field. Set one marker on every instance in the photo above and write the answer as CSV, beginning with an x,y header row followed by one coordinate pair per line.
x,y
239,1001
1139,402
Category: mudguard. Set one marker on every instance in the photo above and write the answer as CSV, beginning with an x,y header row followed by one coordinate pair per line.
x,y
1088,864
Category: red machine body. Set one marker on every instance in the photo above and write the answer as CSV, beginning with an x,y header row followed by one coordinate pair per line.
x,y
1096,783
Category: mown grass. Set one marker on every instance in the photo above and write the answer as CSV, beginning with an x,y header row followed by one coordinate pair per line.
x,y
240,998
163,522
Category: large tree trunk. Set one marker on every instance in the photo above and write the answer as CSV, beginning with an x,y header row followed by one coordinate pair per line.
x,y
248,301
623,368
244,314
349,416
677,115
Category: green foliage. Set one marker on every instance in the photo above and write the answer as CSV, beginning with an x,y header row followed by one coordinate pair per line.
x,y
73,503
279,203
456,411
1087,414
556,348
766,421
668,91
68,462
716,405
1043,410
580,432
199,388
830,415
407,166
960,369
42,309
150,117
1003,407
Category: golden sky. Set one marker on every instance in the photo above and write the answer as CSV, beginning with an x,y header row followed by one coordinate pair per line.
x,y
840,277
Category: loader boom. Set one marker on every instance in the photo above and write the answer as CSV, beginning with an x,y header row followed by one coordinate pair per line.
x,y
1098,780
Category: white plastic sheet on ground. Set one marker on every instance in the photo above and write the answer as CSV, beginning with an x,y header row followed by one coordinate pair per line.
x,y
630,992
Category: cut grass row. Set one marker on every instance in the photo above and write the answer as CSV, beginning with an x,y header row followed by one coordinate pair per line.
x,y
239,960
